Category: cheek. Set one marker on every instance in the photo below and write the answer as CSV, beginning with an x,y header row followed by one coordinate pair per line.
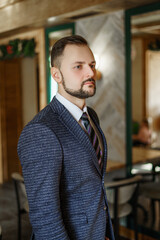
x,y
76,77
68,74
73,78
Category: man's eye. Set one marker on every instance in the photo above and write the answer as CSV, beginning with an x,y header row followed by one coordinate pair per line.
x,y
78,67
93,66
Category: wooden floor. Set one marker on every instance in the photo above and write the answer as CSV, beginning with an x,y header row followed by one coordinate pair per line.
x,y
129,234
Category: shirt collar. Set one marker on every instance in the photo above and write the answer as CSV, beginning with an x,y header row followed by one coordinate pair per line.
x,y
72,108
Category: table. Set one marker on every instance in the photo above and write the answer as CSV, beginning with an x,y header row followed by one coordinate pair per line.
x,y
139,155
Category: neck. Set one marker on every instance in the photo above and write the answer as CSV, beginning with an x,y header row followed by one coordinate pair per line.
x,y
77,101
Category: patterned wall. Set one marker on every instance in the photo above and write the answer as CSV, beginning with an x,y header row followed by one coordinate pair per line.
x,y
105,35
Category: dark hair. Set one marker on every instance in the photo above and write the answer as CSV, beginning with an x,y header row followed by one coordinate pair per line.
x,y
59,46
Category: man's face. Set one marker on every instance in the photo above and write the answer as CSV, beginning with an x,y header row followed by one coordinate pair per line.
x,y
78,71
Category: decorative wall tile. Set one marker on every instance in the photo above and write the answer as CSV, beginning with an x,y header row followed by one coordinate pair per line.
x,y
105,35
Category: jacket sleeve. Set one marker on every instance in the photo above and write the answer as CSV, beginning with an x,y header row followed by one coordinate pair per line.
x,y
40,154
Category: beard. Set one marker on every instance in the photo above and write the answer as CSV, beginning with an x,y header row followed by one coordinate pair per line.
x,y
81,93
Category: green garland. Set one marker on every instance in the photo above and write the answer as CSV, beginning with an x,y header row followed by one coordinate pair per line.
x,y
17,48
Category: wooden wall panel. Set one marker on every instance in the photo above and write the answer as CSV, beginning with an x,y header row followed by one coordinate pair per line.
x,y
153,88
3,150
138,78
11,116
39,37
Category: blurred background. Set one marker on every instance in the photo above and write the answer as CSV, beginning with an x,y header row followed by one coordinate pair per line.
x,y
125,39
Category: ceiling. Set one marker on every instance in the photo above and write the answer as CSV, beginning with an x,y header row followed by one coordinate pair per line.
x,y
20,15
148,23
5,3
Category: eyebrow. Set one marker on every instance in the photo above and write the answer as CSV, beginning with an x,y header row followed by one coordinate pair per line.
x,y
81,62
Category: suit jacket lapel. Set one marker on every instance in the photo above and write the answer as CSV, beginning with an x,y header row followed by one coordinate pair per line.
x,y
74,127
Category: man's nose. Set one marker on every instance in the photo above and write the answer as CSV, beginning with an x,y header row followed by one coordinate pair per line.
x,y
90,72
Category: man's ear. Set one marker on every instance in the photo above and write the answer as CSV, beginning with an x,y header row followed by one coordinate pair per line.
x,y
56,75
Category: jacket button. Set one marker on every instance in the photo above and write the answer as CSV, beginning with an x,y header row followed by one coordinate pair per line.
x,y
105,208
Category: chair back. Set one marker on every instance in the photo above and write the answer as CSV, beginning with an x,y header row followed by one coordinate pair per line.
x,y
0,232
125,194
125,187
21,194
149,171
119,195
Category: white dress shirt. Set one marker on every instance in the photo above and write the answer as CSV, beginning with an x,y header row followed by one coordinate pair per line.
x,y
75,111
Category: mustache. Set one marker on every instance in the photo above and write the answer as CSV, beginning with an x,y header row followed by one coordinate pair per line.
x,y
88,80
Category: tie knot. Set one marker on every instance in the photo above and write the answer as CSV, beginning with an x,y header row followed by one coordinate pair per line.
x,y
85,120
84,116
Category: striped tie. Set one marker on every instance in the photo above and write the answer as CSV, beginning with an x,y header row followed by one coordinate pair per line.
x,y
93,137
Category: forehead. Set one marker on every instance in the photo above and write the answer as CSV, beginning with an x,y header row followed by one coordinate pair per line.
x,y
74,53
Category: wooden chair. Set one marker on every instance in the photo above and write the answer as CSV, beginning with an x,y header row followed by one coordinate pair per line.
x,y
21,197
0,232
151,191
149,187
122,198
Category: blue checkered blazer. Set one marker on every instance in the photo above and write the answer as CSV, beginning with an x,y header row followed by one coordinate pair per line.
x,y
64,184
